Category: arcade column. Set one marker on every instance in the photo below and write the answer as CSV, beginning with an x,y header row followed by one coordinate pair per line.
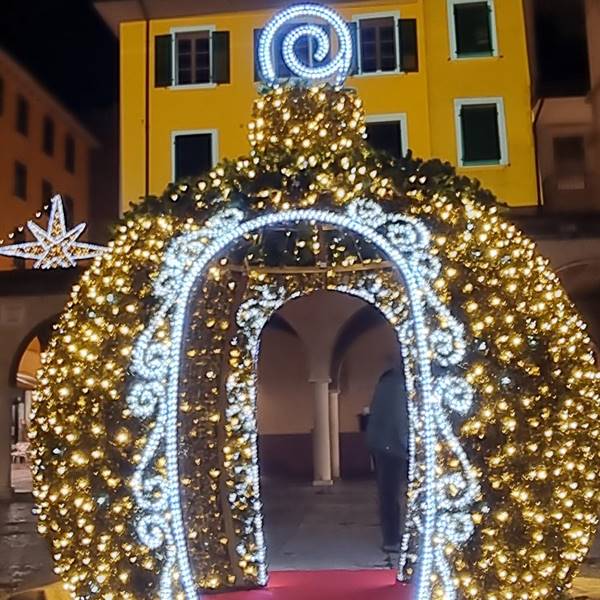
x,y
321,434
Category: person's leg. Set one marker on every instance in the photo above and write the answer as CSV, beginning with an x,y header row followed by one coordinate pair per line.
x,y
402,491
389,510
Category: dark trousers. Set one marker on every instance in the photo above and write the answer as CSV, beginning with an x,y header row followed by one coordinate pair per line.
x,y
392,479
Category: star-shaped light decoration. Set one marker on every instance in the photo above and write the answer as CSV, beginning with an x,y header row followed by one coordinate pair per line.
x,y
55,246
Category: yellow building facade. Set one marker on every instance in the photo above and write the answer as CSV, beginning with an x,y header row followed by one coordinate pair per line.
x,y
45,150
467,83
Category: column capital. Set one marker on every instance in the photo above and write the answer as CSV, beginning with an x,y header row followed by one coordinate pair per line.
x,y
321,379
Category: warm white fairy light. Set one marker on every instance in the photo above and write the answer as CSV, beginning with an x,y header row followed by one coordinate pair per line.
x,y
335,70
156,365
55,246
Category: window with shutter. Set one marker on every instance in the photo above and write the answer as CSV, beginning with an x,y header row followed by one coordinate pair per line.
x,y
193,57
353,26
384,44
409,51
22,115
378,49
20,181
220,57
47,192
163,60
388,135
70,153
192,154
48,136
481,132
472,28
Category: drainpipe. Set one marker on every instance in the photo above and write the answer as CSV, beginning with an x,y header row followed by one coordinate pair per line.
x,y
537,111
146,103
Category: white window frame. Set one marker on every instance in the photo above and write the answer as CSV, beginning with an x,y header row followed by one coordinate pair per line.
x,y
395,14
454,55
214,144
175,70
499,102
391,117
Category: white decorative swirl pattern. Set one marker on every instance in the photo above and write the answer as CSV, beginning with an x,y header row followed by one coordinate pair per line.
x,y
335,70
432,339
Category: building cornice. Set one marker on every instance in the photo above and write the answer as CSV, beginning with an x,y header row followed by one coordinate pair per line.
x,y
115,12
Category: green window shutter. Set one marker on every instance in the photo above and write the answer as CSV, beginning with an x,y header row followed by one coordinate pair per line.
x,y
163,60
480,134
409,51
257,73
353,26
221,63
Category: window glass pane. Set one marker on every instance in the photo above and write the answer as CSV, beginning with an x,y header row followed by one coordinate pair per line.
x,y
480,133
387,137
473,28
193,154
193,57
378,44
202,60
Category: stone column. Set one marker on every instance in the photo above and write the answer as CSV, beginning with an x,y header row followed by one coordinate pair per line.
x,y
321,443
334,431
6,398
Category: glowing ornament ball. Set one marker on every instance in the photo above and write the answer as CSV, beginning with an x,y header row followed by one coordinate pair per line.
x,y
532,436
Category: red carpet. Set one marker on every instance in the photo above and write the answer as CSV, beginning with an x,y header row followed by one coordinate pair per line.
x,y
327,585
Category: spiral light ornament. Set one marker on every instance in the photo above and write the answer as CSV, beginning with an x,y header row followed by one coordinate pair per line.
x,y
334,71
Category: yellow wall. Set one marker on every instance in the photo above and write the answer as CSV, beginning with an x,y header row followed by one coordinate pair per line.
x,y
28,150
427,97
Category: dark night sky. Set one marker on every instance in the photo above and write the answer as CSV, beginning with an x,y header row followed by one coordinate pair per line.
x,y
66,45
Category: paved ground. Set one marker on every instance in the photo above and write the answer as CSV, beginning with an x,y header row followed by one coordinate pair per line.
x,y
306,528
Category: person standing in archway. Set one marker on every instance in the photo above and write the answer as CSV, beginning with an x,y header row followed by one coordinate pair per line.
x,y
387,439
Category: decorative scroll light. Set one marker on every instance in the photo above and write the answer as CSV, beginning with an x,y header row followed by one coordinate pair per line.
x,y
56,246
335,71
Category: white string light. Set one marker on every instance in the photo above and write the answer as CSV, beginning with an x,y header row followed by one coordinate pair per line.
x,y
335,70
55,246
406,243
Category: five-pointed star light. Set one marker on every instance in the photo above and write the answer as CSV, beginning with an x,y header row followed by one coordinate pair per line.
x,y
55,246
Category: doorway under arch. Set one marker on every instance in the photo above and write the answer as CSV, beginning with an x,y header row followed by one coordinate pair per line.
x,y
335,525
23,379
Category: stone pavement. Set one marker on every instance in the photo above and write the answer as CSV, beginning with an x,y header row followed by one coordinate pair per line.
x,y
306,528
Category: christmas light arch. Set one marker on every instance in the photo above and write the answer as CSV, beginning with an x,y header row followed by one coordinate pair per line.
x,y
313,206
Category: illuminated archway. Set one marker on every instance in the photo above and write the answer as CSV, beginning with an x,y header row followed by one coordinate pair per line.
x,y
162,334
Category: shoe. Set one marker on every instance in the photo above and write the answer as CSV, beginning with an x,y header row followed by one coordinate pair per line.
x,y
391,548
